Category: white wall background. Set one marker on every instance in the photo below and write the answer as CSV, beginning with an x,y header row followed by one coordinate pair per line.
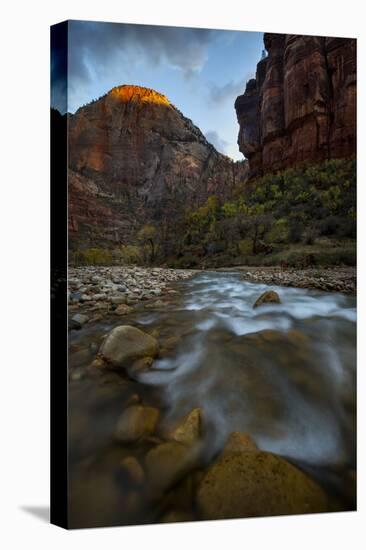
x,y
24,272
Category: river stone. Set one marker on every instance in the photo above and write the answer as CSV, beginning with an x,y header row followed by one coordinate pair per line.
x,y
239,442
123,309
80,319
257,483
126,344
171,343
75,296
135,422
188,431
166,464
118,299
268,297
140,365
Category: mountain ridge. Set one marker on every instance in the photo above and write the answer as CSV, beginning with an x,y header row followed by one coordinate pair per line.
x,y
143,158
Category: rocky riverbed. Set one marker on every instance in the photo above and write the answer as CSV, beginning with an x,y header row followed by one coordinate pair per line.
x,y
95,291
215,398
333,279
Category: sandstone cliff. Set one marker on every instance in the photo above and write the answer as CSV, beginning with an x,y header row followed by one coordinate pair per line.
x,y
301,107
134,157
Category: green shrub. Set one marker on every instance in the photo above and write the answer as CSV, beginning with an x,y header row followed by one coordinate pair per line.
x,y
91,256
128,254
279,233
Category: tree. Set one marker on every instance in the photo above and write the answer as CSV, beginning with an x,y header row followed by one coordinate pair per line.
x,y
258,222
148,235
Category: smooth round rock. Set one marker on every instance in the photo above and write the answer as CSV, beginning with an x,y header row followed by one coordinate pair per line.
x,y
125,344
268,297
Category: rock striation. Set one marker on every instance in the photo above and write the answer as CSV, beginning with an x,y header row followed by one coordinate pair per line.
x,y
134,157
301,106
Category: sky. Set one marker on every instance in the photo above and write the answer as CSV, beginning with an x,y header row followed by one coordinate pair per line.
x,y
201,71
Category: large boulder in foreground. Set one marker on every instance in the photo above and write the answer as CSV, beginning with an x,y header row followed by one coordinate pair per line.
x,y
268,297
125,344
257,483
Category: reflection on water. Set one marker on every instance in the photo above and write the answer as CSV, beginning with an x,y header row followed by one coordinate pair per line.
x,y
283,373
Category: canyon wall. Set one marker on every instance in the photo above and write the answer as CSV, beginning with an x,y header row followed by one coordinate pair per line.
x,y
134,158
301,107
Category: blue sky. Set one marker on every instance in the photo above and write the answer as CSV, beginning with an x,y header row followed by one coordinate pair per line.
x,y
200,70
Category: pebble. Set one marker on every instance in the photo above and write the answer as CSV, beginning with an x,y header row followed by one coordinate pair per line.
x,y
108,288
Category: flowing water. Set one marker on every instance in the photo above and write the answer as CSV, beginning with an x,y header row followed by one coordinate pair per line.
x,y
284,373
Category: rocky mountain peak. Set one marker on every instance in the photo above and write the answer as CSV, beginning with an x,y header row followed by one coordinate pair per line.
x,y
130,92
134,157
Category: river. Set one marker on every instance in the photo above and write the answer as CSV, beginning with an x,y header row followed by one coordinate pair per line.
x,y
284,373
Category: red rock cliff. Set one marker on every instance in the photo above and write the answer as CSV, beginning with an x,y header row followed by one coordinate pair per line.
x,y
301,107
134,157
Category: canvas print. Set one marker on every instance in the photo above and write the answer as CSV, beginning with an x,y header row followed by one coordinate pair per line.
x,y
204,184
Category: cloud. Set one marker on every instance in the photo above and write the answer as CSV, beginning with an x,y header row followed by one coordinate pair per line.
x,y
102,50
229,91
59,68
220,144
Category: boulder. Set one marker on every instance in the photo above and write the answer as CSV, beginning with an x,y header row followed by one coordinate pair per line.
x,y
136,422
140,365
126,344
257,483
268,297
166,464
189,429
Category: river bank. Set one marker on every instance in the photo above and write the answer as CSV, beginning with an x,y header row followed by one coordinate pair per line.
x,y
95,291
331,279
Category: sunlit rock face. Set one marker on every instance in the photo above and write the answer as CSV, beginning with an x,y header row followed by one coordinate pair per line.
x,y
136,156
301,107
